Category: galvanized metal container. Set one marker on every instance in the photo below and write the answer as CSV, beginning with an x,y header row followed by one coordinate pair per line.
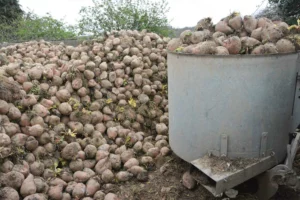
x,y
236,105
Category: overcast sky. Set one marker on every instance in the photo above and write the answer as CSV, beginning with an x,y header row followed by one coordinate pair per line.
x,y
182,13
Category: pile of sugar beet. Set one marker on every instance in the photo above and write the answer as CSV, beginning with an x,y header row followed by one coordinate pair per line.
x,y
235,34
74,121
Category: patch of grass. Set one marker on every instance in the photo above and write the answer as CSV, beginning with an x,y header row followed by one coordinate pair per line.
x,y
85,111
53,107
69,132
56,169
73,72
132,102
128,141
74,103
35,89
109,101
179,50
125,82
30,113
120,109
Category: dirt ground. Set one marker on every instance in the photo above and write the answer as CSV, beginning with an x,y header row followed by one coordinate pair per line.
x,y
164,183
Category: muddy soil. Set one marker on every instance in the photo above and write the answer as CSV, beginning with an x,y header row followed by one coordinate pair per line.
x,y
164,183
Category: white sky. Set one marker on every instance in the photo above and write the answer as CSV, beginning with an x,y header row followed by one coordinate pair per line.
x,y
182,12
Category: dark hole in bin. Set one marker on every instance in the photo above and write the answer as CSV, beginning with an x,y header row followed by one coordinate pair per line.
x,y
201,178
248,187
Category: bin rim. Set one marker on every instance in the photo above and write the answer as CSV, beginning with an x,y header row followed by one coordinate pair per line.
x,y
234,55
